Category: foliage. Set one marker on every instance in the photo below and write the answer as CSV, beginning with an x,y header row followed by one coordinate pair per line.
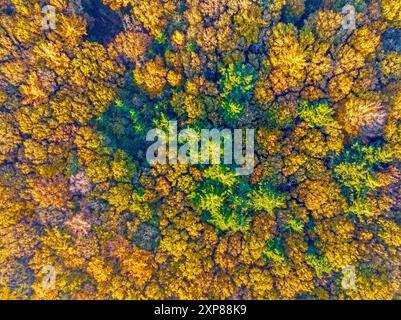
x,y
76,190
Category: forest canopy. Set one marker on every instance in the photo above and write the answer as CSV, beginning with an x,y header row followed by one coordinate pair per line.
x,y
78,198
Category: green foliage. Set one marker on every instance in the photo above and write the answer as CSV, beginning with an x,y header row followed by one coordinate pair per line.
x,y
274,251
123,127
231,110
318,114
221,174
355,177
356,168
237,82
232,222
360,5
161,38
211,202
73,166
320,264
215,198
373,155
295,224
361,208
265,199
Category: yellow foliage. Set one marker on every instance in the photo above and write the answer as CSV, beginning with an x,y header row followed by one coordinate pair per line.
x,y
33,90
391,65
392,11
49,192
178,38
9,136
365,41
248,23
390,232
152,14
139,264
259,281
151,76
356,114
117,4
173,78
14,71
120,197
51,52
321,197
340,86
131,45
99,270
263,94
207,39
333,234
287,58
70,29
327,23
